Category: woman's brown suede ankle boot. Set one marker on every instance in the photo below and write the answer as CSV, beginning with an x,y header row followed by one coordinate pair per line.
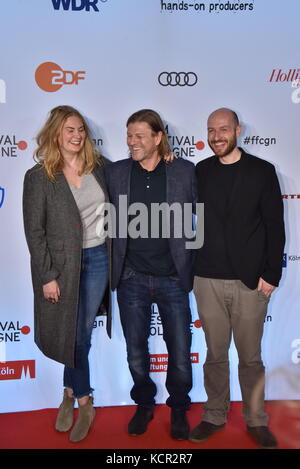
x,y
64,420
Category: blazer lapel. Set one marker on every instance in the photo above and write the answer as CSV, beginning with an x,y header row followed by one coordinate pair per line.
x,y
124,180
171,183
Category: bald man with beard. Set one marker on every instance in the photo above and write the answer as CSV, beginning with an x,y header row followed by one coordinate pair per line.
x,y
236,271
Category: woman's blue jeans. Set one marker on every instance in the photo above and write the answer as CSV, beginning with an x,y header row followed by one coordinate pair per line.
x,y
136,293
93,282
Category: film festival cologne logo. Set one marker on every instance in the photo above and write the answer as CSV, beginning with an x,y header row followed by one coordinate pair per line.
x,y
159,361
10,146
184,146
10,332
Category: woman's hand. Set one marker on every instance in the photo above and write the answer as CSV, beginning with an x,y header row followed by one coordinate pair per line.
x,y
169,157
51,291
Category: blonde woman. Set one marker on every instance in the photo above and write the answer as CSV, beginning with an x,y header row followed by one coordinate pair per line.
x,y
69,258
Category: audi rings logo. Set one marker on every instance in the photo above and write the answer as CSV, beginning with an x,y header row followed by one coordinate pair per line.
x,y
177,79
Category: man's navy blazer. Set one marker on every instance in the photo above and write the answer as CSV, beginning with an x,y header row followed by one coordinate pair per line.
x,y
181,187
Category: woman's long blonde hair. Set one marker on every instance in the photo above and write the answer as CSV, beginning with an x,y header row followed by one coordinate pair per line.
x,y
48,153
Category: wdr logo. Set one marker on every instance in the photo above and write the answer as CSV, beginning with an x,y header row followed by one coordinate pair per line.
x,y
76,5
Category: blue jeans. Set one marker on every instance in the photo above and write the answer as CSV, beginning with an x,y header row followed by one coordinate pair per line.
x,y
136,293
93,282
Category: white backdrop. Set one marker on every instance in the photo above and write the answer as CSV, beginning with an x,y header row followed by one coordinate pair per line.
x,y
106,59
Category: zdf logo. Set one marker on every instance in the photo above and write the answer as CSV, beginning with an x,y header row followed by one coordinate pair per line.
x,y
51,77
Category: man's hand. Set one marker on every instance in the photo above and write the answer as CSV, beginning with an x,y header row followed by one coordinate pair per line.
x,y
51,291
265,287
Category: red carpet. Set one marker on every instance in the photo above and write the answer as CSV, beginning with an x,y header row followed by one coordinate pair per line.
x,y
35,430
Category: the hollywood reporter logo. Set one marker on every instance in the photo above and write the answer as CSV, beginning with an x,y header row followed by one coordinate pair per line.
x,y
288,76
50,77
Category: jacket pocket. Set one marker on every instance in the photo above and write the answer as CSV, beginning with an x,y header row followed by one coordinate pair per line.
x,y
55,244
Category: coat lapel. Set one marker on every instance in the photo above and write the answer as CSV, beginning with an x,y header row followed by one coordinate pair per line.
x,y
65,194
99,175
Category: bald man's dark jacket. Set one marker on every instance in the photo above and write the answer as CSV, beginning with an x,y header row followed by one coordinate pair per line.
x,y
254,226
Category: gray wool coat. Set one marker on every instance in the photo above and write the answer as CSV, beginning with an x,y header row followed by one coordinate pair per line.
x,y
54,236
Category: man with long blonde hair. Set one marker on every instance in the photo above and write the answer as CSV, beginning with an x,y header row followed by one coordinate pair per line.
x,y
154,268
